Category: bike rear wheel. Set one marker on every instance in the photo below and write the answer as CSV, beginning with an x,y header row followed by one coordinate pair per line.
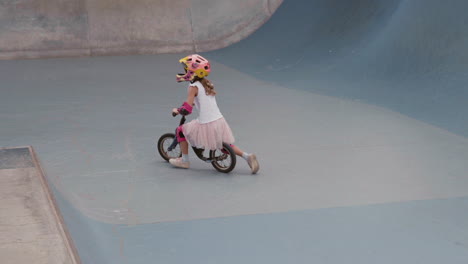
x,y
163,145
224,160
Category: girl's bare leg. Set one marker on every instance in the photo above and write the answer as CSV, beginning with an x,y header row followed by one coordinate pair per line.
x,y
184,147
237,150
182,162
250,158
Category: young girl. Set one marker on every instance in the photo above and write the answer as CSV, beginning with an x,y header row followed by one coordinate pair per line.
x,y
210,129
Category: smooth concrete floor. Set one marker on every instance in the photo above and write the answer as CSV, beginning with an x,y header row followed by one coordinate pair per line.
x,y
95,121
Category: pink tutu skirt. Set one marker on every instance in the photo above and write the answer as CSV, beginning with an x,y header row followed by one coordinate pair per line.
x,y
208,136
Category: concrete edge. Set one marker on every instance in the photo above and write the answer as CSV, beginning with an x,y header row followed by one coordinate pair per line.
x,y
28,147
242,32
91,52
58,216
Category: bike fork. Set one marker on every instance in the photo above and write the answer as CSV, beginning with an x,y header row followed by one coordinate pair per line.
x,y
173,145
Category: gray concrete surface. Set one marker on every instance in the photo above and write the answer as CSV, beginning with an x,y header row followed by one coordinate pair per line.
x,y
407,56
428,231
44,28
356,109
307,203
31,230
95,123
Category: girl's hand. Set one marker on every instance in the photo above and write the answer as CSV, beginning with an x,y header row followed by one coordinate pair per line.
x,y
175,111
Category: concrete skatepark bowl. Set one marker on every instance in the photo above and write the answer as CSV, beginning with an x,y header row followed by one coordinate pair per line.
x,y
357,111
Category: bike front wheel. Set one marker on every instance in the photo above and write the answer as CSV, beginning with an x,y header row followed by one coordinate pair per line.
x,y
164,143
224,160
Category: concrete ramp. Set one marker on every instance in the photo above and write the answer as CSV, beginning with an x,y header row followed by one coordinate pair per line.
x,y
31,228
56,28
407,56
356,109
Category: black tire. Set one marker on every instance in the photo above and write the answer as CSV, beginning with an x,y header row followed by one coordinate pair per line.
x,y
226,160
163,144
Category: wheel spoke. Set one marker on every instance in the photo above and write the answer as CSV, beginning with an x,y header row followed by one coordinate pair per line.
x,y
173,153
223,159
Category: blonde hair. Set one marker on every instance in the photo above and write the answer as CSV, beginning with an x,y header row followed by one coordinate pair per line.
x,y
209,87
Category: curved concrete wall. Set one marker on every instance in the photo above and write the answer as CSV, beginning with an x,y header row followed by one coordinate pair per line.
x,y
56,28
408,56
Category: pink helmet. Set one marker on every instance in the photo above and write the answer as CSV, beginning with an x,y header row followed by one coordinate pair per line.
x,y
194,65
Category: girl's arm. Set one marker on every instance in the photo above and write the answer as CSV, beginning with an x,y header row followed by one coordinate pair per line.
x,y
192,92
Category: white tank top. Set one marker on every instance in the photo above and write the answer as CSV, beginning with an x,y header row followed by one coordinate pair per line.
x,y
206,105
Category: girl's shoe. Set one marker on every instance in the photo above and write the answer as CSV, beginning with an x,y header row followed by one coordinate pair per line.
x,y
178,162
253,163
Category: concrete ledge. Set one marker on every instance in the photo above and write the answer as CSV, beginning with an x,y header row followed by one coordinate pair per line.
x,y
31,227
